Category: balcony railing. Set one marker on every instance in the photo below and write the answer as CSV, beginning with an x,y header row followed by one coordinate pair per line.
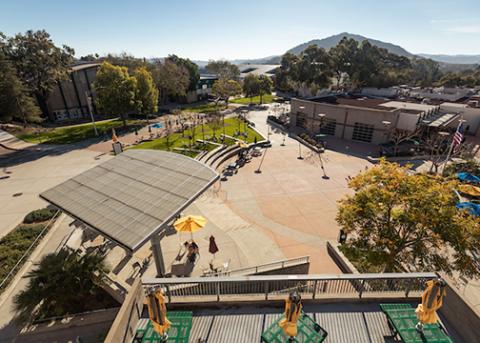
x,y
273,287
267,267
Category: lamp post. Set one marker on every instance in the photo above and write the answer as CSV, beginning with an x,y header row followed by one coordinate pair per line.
x,y
89,105
300,157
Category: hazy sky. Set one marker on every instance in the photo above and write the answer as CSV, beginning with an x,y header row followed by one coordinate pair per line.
x,y
243,29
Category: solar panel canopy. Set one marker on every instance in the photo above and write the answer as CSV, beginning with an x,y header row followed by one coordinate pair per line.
x,y
130,197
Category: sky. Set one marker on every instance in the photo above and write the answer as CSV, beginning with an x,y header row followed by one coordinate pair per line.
x,y
228,29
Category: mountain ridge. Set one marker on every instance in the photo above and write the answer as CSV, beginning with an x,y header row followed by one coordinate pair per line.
x,y
450,61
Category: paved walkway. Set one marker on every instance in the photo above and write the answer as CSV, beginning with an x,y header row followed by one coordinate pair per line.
x,y
289,199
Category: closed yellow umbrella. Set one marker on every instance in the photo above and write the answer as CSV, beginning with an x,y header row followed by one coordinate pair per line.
x,y
470,190
157,311
432,299
242,144
293,308
190,224
114,136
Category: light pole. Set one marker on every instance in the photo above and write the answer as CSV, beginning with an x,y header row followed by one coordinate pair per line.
x,y
89,105
258,171
300,157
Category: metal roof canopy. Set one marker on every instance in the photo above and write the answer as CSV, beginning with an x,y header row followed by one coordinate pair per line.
x,y
132,196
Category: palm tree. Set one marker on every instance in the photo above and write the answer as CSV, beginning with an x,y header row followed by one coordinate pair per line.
x,y
62,283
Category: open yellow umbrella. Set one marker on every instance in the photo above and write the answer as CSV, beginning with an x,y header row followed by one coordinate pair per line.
x,y
157,311
293,308
432,299
190,224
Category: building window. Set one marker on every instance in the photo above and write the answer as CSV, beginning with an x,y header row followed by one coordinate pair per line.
x,y
328,127
301,120
362,132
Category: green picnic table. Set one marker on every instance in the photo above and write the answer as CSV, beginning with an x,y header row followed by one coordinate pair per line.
x,y
402,319
179,331
307,331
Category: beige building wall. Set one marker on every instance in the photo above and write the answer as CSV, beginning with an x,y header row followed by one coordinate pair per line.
x,y
348,118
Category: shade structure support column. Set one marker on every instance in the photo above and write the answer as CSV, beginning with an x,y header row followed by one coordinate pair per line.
x,y
158,255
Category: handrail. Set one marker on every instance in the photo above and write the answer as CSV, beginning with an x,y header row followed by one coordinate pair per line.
x,y
27,252
263,267
269,287
300,277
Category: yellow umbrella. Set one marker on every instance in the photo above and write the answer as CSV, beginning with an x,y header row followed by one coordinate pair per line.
x,y
293,308
190,224
470,190
242,144
432,299
114,136
157,311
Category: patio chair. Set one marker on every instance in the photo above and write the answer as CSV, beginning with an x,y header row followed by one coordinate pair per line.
x,y
402,320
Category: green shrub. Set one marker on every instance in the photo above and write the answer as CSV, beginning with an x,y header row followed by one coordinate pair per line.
x,y
40,215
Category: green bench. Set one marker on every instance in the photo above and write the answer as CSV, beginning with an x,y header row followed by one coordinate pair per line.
x,y
402,319
179,331
307,331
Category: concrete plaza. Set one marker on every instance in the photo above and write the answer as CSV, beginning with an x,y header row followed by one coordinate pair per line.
x,y
289,200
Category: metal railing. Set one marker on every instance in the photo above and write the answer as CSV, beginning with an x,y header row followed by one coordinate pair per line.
x,y
262,268
271,287
27,252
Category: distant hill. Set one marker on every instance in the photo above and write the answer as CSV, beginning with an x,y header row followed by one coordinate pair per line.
x,y
332,41
455,59
447,62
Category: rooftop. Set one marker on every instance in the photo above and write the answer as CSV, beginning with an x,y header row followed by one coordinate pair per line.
x,y
344,322
347,307
132,196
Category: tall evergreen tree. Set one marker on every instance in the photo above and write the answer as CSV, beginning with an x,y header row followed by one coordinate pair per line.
x,y
39,62
15,101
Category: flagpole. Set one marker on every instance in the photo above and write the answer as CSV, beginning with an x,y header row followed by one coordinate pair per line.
x,y
460,122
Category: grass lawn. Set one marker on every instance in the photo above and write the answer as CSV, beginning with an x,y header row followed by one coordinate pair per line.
x,y
76,133
203,108
15,244
176,140
267,99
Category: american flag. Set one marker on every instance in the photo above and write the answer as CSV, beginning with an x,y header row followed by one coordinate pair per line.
x,y
458,138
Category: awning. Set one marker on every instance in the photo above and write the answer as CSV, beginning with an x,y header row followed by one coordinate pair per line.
x,y
442,120
132,196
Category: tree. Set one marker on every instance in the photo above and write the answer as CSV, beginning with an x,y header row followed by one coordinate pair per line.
x,y
425,72
342,58
265,85
398,136
147,93
39,62
171,80
116,91
15,100
223,69
62,283
125,60
287,74
251,86
192,68
401,221
224,89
